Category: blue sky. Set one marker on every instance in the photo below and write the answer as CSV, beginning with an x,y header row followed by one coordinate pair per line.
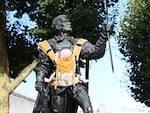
x,y
105,88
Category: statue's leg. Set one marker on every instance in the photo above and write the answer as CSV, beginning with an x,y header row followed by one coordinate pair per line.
x,y
82,98
41,105
58,103
36,105
72,106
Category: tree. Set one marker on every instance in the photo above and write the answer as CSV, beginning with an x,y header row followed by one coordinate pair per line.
x,y
7,86
134,44
21,44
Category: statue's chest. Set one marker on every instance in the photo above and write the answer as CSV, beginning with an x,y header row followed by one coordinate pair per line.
x,y
65,44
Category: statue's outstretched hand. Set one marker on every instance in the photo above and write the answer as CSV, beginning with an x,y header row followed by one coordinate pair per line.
x,y
105,29
40,86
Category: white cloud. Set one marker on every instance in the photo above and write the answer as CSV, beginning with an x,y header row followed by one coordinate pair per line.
x,y
129,104
103,109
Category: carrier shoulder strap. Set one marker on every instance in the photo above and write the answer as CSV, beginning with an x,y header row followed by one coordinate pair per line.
x,y
46,48
78,46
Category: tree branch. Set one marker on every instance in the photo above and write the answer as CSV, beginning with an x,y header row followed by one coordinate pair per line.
x,y
24,73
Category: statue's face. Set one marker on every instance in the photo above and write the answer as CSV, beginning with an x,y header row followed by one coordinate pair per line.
x,y
66,24
62,23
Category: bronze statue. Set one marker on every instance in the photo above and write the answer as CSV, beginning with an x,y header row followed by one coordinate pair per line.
x,y
58,79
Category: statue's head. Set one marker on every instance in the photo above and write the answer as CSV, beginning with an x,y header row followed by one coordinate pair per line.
x,y
62,23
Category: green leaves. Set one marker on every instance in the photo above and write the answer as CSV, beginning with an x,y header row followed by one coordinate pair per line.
x,y
134,41
86,17
44,3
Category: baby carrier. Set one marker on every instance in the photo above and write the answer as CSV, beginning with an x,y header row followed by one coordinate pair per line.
x,y
65,63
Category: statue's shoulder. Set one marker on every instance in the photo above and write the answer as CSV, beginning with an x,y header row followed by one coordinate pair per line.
x,y
51,41
80,40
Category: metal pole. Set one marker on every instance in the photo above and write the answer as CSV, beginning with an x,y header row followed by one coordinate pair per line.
x,y
87,72
108,35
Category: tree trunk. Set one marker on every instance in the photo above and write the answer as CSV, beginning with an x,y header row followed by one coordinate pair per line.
x,y
7,86
4,99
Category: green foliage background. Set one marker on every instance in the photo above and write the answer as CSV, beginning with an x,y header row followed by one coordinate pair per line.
x,y
134,41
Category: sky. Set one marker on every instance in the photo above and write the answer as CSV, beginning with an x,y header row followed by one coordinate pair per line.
x,y
107,90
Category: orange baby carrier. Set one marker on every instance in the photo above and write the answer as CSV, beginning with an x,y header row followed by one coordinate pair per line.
x,y
63,65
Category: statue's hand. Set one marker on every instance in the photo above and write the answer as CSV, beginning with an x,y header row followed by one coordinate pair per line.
x,y
105,30
39,86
